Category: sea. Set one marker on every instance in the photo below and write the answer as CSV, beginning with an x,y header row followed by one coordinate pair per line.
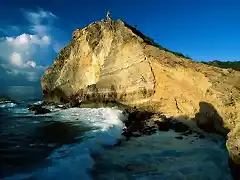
x,y
80,144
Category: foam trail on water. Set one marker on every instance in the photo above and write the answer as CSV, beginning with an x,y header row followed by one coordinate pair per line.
x,y
38,102
7,105
74,161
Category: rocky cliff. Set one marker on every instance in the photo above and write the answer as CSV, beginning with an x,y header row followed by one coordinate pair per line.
x,y
112,61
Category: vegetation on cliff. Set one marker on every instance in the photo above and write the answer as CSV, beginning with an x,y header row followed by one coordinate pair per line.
x,y
4,99
226,64
150,41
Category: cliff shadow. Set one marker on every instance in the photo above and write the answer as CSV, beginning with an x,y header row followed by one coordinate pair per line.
x,y
209,119
143,122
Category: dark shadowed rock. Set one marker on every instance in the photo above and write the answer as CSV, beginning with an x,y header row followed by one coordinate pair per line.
x,y
235,169
179,137
209,119
179,127
38,109
189,132
163,126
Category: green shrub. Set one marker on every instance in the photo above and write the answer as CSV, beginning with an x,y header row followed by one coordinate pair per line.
x,y
225,64
150,41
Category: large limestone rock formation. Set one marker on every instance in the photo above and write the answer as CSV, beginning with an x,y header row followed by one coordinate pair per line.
x,y
110,60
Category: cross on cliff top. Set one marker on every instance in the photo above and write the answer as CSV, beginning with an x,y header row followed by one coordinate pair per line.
x,y
108,15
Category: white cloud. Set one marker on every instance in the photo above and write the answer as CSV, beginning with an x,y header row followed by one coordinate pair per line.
x,y
38,17
18,52
31,64
41,21
28,39
16,59
24,47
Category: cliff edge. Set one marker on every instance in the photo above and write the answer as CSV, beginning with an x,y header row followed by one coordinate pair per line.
x,y
112,61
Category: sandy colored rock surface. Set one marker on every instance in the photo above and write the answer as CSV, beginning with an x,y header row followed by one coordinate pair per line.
x,y
109,60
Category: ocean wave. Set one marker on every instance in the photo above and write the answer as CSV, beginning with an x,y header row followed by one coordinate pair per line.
x,y
7,104
38,102
74,161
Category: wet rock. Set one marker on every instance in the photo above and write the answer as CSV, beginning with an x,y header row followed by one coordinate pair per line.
x,y
127,134
179,137
163,126
235,169
179,127
139,123
201,136
138,117
189,132
33,107
148,130
42,111
136,134
38,109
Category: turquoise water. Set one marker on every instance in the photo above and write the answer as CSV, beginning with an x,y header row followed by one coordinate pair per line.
x,y
77,144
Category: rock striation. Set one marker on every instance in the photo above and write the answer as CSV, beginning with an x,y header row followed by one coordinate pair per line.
x,y
111,61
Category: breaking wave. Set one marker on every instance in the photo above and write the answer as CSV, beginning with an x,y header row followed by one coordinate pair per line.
x,y
74,161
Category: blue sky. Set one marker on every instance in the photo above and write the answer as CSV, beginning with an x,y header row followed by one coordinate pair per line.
x,y
33,31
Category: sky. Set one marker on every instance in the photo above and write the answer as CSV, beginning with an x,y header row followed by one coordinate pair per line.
x,y
32,32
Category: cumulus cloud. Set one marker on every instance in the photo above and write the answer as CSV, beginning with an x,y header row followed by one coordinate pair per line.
x,y
28,39
16,59
20,49
18,54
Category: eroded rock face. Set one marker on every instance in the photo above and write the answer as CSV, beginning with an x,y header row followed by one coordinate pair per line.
x,y
111,61
233,144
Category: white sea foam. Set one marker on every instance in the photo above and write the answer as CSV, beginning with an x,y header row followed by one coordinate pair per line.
x,y
75,161
160,156
7,105
38,102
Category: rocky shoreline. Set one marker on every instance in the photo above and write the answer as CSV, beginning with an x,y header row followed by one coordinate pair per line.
x,y
111,63
140,123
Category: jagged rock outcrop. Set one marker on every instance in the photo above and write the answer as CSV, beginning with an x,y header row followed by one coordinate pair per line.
x,y
110,60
